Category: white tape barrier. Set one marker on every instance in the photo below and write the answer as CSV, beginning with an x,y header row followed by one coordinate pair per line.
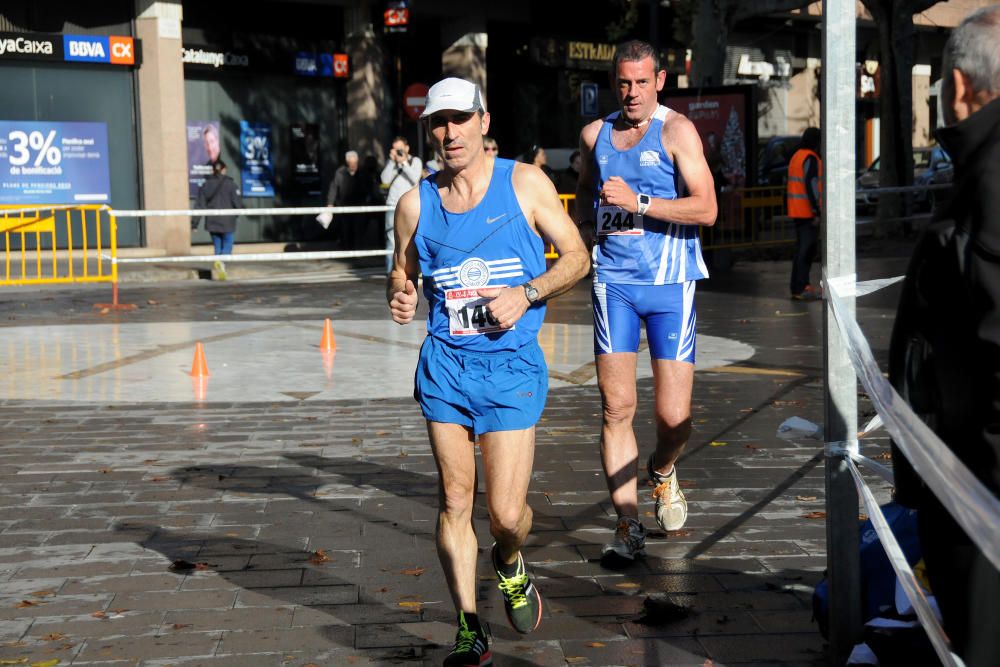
x,y
904,573
251,257
251,212
972,505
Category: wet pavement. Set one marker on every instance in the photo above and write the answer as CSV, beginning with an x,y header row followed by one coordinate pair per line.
x,y
282,512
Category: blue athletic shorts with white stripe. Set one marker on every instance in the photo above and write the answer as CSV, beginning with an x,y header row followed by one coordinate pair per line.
x,y
667,310
487,391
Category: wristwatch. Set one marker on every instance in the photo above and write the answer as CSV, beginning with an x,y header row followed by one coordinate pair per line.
x,y
642,203
531,292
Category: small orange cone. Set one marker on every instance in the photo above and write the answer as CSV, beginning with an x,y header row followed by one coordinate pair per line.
x,y
199,368
328,343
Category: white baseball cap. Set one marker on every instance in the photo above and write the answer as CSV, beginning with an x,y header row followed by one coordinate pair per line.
x,y
453,94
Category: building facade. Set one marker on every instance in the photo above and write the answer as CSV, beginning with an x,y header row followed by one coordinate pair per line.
x,y
145,94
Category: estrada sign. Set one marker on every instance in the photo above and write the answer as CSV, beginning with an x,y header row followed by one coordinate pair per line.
x,y
415,100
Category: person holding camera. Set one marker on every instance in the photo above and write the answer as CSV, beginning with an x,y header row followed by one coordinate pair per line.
x,y
402,171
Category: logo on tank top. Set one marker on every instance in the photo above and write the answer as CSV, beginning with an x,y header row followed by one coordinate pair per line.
x,y
602,159
474,273
649,159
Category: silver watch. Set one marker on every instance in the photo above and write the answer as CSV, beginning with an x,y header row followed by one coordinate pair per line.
x,y
642,203
531,292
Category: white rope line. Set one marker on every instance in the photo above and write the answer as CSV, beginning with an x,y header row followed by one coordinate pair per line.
x,y
971,504
904,573
252,257
249,212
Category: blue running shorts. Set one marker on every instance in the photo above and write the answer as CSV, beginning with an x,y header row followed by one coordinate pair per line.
x,y
487,391
667,310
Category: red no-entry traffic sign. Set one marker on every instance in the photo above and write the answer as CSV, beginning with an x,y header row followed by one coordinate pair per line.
x,y
415,100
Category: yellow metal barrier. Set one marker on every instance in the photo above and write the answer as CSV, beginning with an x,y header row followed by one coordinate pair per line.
x,y
750,217
61,244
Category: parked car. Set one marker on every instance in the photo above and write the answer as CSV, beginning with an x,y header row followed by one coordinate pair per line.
x,y
931,166
773,158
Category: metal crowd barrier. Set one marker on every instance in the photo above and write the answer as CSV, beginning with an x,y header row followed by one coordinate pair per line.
x,y
971,504
32,238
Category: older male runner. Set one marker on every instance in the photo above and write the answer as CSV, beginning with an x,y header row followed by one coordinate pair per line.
x,y
473,231
637,164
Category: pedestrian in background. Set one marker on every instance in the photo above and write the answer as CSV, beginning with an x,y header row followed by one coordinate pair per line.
x,y
490,147
536,156
220,192
401,172
944,356
805,172
347,189
567,181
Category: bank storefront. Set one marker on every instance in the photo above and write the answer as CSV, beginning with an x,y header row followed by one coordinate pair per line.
x,y
67,121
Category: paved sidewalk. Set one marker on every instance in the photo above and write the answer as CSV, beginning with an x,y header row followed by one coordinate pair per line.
x,y
300,531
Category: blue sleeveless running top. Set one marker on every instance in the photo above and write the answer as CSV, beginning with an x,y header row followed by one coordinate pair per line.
x,y
491,245
636,250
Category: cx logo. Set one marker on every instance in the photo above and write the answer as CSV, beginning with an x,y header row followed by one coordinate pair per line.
x,y
122,50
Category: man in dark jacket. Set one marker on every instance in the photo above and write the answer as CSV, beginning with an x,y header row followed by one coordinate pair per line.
x,y
945,350
220,192
348,188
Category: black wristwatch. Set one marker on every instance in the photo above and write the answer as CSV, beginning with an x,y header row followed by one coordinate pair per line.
x,y
531,292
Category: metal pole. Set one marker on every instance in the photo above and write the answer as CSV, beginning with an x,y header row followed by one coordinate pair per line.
x,y
841,402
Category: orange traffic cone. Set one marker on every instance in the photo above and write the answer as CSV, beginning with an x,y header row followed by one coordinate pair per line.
x,y
198,367
327,343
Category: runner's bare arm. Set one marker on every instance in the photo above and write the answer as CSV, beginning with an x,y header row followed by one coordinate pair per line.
x,y
401,291
545,213
584,209
585,183
699,207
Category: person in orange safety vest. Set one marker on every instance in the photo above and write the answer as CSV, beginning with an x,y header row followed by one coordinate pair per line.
x,y
805,171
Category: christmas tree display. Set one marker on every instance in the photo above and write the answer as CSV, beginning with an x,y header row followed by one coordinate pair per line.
x,y
734,159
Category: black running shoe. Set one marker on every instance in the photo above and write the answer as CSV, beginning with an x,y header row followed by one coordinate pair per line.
x,y
472,648
520,597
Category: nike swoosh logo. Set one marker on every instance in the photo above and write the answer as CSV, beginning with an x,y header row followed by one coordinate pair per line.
x,y
490,221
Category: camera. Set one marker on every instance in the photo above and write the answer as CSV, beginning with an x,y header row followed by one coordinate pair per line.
x,y
399,152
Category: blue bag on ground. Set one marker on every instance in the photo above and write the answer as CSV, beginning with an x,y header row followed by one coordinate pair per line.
x,y
878,579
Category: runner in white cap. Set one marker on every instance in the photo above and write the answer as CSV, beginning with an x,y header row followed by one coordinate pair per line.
x,y
474,231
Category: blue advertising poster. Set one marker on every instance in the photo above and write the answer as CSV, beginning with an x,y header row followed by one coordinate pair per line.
x,y
255,155
54,163
204,148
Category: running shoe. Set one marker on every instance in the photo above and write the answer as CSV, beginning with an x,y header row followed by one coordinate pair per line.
x,y
810,293
220,271
671,506
629,542
472,647
521,600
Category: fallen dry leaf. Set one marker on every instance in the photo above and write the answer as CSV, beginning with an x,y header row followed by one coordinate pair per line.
x,y
180,626
24,604
319,557
152,302
42,594
679,533
410,604
596,644
627,584
814,515
884,456
99,614
53,637
414,572
805,498
574,660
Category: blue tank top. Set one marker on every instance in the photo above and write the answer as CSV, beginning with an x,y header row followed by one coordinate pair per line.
x,y
491,245
641,250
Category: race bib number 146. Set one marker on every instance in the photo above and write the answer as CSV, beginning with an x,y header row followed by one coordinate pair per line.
x,y
468,314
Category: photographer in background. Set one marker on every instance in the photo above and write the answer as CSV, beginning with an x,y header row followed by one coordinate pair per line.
x,y
401,172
